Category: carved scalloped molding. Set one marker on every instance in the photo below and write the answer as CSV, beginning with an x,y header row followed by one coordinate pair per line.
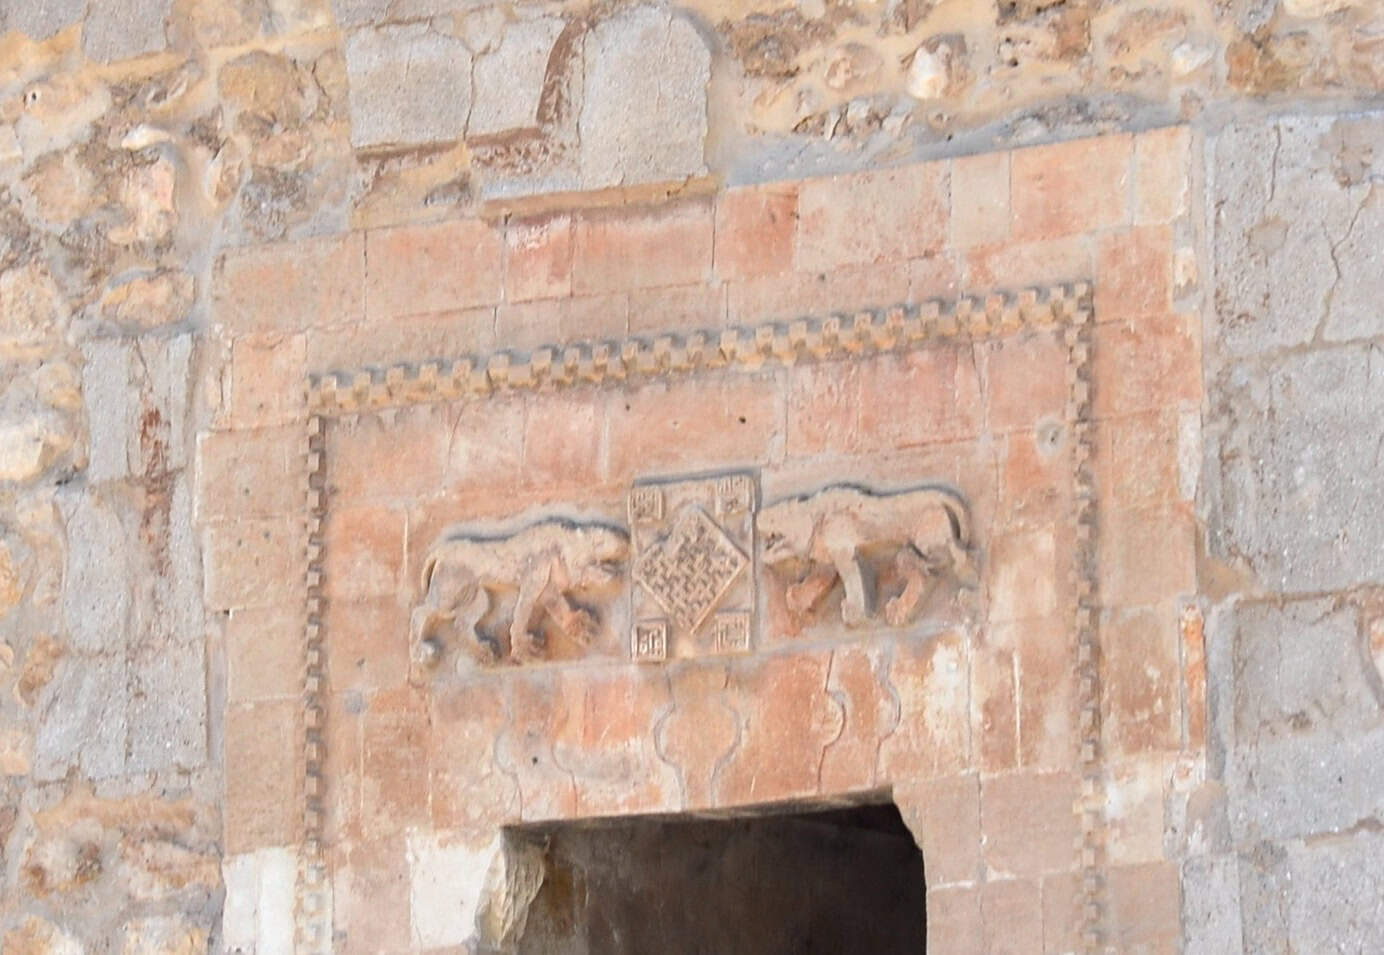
x,y
635,358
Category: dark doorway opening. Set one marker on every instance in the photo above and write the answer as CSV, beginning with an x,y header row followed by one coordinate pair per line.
x,y
839,880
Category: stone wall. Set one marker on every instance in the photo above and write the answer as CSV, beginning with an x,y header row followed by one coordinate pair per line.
x,y
142,139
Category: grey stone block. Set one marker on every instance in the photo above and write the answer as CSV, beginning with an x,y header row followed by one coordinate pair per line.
x,y
1211,906
97,586
1304,731
408,85
168,709
1280,215
509,80
1324,896
123,29
82,720
354,13
643,115
1299,487
40,19
112,415
1356,302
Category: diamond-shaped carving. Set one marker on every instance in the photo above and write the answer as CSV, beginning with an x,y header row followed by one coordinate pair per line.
x,y
689,570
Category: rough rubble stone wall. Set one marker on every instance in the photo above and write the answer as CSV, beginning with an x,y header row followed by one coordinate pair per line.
x,y
140,137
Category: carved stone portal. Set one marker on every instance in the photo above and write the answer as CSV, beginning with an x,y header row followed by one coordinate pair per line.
x,y
512,598
904,543
693,566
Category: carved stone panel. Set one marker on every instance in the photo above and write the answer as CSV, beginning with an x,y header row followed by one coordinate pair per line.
x,y
543,592
692,566
859,557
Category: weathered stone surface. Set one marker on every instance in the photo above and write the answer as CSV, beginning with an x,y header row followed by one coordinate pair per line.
x,y
1297,462
121,29
40,19
1306,750
1323,896
258,913
1211,906
1288,262
82,723
408,85
510,79
634,132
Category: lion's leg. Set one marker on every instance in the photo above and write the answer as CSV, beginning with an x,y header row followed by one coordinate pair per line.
x,y
423,622
802,596
523,642
469,614
855,607
919,582
576,622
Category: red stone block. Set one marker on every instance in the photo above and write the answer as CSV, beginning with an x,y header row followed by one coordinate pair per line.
x,y
394,764
1071,187
288,286
931,679
858,681
919,397
250,473
388,457
1015,265
537,712
1142,680
1062,920
1146,556
1023,575
406,340
1146,908
954,925
944,817
680,309
264,384
701,730
607,742
412,270
564,441
1025,381
253,563
1034,479
484,449
264,653
714,422
364,551
469,791
888,215
755,230
1010,909
367,643
787,719
1031,826
1150,364
342,766
1162,174
371,897
538,258
555,322
823,404
1134,273
262,784
1137,460
995,705
980,199
797,294
622,249
1046,656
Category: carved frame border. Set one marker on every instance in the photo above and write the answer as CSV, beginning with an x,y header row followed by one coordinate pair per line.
x,y
902,327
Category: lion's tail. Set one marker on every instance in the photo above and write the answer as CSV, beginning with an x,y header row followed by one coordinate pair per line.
x,y
960,519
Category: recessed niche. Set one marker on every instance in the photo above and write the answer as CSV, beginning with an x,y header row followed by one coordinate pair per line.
x,y
785,879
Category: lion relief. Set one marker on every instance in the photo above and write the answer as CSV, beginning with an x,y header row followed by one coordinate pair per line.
x,y
853,536
538,576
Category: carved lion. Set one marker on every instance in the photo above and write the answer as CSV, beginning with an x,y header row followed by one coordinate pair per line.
x,y
927,529
544,564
